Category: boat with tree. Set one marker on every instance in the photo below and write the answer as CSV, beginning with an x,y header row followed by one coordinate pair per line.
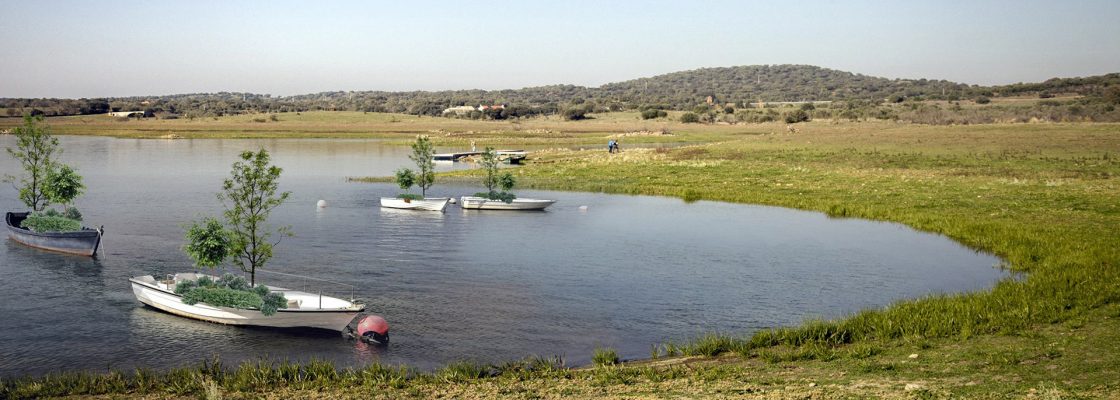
x,y
493,199
424,177
244,236
47,182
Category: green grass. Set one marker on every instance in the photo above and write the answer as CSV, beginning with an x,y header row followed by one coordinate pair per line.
x,y
604,357
1053,360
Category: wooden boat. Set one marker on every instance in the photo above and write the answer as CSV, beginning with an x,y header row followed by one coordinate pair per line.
x,y
427,204
305,310
482,203
81,242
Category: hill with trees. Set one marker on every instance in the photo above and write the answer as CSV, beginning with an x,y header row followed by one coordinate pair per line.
x,y
685,90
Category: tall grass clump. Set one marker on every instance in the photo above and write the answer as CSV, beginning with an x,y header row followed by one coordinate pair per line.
x,y
604,356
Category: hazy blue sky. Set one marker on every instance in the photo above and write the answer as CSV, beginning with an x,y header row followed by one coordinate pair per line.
x,y
120,48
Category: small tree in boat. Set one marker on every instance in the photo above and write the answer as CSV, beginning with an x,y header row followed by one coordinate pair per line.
x,y
47,181
422,154
249,195
406,179
494,180
63,185
425,174
35,149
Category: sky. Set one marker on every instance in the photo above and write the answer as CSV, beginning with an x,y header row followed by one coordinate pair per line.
x,y
112,48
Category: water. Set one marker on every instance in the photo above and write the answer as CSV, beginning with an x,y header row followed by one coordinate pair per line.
x,y
628,272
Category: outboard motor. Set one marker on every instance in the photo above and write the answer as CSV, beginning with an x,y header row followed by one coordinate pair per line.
x,y
373,329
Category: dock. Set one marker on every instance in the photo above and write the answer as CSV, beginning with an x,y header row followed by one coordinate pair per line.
x,y
510,156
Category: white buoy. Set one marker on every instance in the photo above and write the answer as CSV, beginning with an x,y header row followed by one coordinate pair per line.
x,y
453,201
321,204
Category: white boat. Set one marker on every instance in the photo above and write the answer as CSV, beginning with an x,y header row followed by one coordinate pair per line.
x,y
427,204
305,310
482,203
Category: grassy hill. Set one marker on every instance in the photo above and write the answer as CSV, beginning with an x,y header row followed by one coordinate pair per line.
x,y
674,91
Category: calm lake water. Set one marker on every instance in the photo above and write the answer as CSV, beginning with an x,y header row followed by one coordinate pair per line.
x,y
627,272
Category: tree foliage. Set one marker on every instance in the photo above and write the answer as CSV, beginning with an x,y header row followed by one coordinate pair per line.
x,y
676,91
422,155
795,116
249,196
495,180
405,178
35,151
208,243
63,185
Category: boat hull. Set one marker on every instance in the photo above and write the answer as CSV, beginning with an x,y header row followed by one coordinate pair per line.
x,y
83,242
427,204
482,203
152,295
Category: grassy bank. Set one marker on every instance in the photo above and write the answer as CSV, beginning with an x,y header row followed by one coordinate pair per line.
x,y
1045,197
1075,359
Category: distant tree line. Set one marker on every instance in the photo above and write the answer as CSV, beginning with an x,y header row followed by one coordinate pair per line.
x,y
712,94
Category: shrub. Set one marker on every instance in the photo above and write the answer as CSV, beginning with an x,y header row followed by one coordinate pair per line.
x,y
983,100
231,291
690,118
575,113
223,297
653,113
796,116
496,195
72,213
208,242
50,221
603,357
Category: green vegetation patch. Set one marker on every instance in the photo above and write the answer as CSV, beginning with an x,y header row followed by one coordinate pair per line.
x,y
50,221
231,291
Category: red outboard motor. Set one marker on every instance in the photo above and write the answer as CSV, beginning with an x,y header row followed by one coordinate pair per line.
x,y
373,328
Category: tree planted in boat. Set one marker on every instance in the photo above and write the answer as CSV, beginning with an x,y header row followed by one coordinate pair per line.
x,y
422,155
35,149
406,179
494,180
249,195
63,185
208,242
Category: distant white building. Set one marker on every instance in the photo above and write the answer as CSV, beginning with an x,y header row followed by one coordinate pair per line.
x,y
126,114
460,110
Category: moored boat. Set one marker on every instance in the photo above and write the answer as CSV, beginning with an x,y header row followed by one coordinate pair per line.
x,y
482,203
304,310
426,204
81,242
